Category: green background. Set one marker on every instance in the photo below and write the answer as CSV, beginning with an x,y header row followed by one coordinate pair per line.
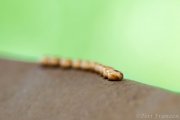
x,y
139,37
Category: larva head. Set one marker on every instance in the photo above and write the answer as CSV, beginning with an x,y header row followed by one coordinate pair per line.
x,y
114,75
121,76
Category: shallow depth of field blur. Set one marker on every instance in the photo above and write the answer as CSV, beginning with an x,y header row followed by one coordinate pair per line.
x,y
139,37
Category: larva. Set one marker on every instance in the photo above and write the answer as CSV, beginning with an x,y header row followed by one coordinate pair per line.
x,y
76,64
105,71
98,68
65,63
44,61
86,65
54,62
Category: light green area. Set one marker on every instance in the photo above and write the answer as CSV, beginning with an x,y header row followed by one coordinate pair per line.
x,y
139,37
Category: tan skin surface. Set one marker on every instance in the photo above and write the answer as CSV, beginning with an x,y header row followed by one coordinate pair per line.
x,y
31,92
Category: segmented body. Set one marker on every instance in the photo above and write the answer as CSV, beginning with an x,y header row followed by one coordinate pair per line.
x,y
105,71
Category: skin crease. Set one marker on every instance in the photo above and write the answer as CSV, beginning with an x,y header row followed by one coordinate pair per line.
x,y
105,71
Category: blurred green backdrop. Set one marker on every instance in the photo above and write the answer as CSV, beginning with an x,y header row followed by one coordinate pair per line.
x,y
139,37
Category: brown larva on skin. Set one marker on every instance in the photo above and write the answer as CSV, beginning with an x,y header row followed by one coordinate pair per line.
x,y
65,63
98,68
49,61
113,75
86,65
44,61
76,64
53,62
105,71
92,66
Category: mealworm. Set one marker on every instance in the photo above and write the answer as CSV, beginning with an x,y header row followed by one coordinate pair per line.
x,y
53,62
86,65
44,61
105,71
113,75
76,64
49,61
65,63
